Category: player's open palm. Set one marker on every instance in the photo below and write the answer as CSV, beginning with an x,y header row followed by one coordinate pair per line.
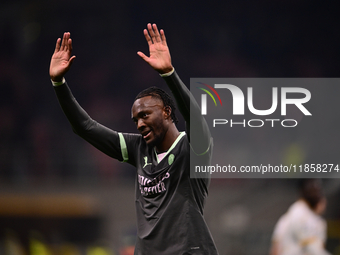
x,y
61,59
159,59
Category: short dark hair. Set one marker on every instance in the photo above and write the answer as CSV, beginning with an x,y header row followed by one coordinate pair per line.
x,y
311,191
161,94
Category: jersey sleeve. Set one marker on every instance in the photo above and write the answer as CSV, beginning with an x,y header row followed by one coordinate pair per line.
x,y
130,147
101,137
199,136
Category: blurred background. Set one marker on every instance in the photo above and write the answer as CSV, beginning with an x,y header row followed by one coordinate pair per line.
x,y
58,195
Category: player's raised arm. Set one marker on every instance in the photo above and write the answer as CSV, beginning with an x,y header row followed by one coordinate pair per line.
x,y
82,124
61,59
160,60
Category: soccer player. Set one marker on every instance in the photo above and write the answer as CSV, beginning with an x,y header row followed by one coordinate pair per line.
x,y
301,230
169,204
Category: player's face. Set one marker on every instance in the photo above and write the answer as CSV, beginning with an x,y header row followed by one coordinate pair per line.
x,y
151,119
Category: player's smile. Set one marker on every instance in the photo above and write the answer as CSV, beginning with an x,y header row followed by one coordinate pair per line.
x,y
147,113
146,134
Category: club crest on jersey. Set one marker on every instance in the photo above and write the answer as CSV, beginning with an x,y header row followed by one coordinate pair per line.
x,y
171,159
146,162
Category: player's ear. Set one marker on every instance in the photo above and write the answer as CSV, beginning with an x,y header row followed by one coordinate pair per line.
x,y
167,112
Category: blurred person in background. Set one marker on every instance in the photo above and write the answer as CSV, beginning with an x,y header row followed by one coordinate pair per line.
x,y
169,204
302,230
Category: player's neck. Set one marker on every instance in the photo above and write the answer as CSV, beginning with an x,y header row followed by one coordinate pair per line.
x,y
169,138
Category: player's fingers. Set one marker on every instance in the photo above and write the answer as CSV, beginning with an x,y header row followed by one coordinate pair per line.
x,y
143,56
63,42
151,32
67,38
157,36
70,44
71,61
163,37
57,45
147,37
